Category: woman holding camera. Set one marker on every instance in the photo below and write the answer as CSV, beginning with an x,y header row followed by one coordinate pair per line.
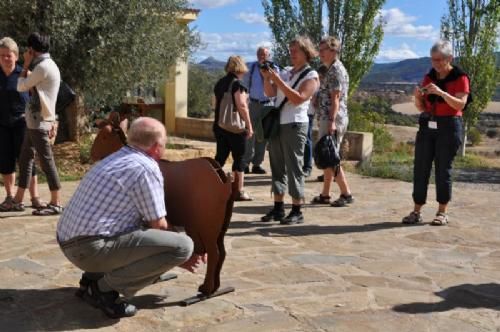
x,y
286,151
228,142
441,99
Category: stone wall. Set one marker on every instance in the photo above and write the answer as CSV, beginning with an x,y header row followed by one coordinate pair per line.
x,y
194,128
356,145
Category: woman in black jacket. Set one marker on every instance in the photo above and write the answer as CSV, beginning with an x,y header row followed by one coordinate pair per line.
x,y
228,142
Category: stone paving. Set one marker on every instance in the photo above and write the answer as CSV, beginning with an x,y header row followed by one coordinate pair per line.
x,y
344,269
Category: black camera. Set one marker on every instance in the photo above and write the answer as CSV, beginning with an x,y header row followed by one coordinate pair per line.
x,y
266,65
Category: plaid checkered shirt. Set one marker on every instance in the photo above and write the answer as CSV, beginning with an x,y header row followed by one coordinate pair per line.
x,y
115,197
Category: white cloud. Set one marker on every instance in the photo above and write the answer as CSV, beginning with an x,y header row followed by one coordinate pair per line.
x,y
222,45
399,24
396,54
210,3
251,18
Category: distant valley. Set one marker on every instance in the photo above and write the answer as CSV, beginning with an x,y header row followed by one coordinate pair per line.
x,y
400,75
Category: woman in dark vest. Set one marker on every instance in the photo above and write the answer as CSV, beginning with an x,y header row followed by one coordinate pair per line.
x,y
12,125
441,98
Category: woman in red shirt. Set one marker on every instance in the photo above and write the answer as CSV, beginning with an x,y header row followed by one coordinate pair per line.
x,y
441,98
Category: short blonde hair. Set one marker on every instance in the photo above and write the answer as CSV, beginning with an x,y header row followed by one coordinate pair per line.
x,y
236,65
331,42
306,45
9,44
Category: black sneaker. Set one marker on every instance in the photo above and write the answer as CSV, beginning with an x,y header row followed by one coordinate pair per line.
x,y
293,218
109,302
84,285
247,170
276,215
307,172
258,170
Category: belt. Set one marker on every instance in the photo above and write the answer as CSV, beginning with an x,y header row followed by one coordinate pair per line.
x,y
78,240
259,101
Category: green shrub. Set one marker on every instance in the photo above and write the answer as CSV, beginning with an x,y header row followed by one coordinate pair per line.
x,y
363,117
492,133
474,136
382,139
200,90
85,144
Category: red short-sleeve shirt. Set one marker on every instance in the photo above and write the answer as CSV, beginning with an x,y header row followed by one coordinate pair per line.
x,y
460,85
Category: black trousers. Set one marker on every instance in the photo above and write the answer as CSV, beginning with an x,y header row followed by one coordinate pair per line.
x,y
439,146
228,142
11,138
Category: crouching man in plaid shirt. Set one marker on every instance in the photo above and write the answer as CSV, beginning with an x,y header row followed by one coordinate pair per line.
x,y
102,230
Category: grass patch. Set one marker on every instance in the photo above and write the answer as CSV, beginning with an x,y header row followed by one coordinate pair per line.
x,y
397,163
474,161
394,163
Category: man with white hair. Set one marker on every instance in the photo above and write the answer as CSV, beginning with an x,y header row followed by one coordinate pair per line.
x,y
114,227
255,150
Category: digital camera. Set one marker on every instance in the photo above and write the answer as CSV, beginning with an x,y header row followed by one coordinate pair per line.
x,y
266,65
422,89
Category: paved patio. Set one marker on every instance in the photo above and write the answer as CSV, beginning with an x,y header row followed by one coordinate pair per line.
x,y
345,269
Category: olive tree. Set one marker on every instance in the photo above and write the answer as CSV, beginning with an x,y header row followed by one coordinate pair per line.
x,y
104,47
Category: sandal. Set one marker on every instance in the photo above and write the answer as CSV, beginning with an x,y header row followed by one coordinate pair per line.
x,y
49,210
38,204
243,196
320,199
5,205
413,218
441,219
9,205
343,200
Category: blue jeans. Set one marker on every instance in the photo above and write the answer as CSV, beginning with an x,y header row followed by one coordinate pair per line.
x,y
439,146
308,149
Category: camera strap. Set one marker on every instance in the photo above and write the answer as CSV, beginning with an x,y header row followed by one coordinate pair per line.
x,y
303,74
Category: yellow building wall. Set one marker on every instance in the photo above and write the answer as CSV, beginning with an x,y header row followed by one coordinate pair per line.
x,y
176,86
176,95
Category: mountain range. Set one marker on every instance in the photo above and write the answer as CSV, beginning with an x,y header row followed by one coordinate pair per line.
x,y
405,71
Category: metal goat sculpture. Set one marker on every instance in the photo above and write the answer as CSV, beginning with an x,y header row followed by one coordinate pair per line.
x,y
198,196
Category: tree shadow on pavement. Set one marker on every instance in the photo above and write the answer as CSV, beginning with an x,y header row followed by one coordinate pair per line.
x,y
56,309
466,296
306,230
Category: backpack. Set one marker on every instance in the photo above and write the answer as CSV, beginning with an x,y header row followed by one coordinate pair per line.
x,y
327,152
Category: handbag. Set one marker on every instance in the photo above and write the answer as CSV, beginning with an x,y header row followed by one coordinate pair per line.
x,y
326,152
270,116
229,117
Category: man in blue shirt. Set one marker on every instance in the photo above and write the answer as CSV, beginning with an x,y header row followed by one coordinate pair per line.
x,y
255,150
114,227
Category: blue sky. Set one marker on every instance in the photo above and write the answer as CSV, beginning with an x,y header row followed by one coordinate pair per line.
x,y
238,27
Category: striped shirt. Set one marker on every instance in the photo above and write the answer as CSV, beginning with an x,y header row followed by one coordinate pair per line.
x,y
116,196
